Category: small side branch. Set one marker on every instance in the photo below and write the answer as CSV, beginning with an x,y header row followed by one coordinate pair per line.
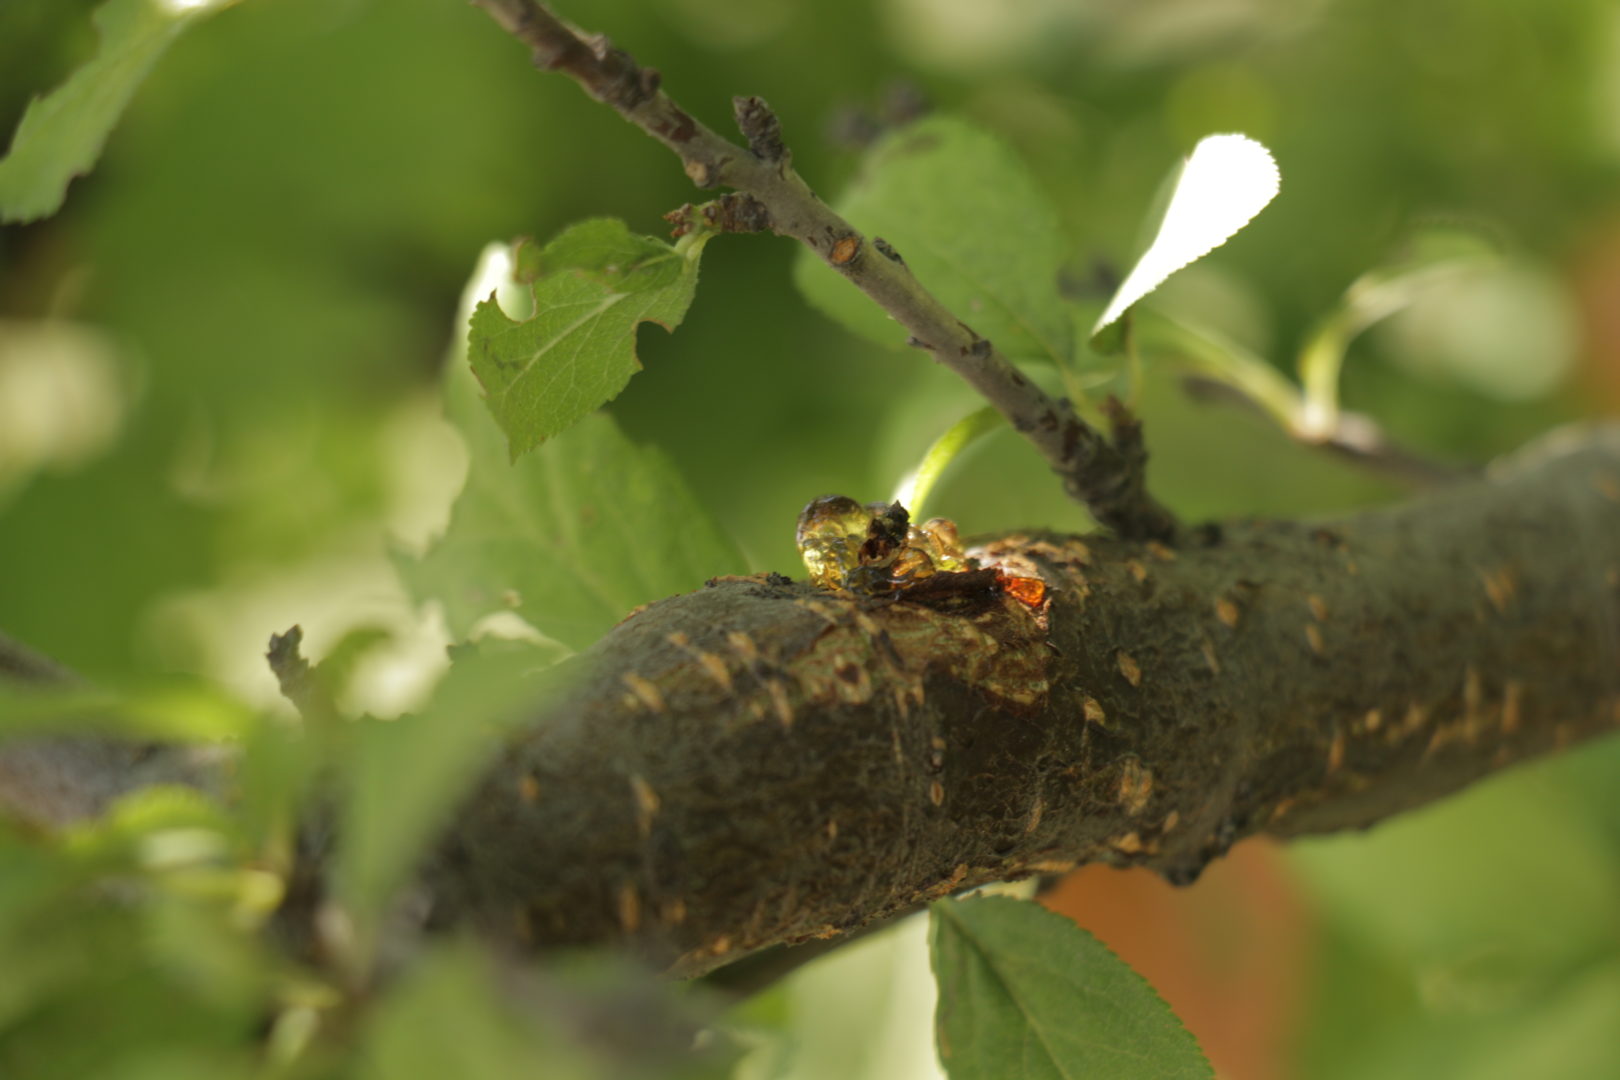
x,y
733,212
299,680
20,664
1355,437
1104,474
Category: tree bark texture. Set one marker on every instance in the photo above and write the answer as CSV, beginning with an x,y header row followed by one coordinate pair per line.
x,y
765,761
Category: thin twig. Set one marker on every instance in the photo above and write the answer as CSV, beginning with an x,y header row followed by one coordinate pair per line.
x,y
1104,475
20,664
1356,438
300,681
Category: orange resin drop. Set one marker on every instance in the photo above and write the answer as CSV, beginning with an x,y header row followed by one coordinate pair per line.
x,y
1026,590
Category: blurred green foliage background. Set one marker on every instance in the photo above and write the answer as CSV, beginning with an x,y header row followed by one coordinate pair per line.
x,y
219,365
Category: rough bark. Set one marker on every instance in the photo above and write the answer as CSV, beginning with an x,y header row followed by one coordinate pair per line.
x,y
765,762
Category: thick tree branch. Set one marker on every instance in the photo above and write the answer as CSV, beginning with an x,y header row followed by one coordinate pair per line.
x,y
1096,470
764,762
758,763
52,780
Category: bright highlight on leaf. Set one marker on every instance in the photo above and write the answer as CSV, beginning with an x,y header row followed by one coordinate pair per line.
x,y
1224,183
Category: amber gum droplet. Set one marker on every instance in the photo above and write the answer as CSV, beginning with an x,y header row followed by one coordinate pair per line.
x,y
830,532
1028,591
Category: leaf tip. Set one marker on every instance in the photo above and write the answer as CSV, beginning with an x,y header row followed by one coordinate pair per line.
x,y
1226,180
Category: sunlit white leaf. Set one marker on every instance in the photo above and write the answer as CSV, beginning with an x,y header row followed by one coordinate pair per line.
x,y
1224,183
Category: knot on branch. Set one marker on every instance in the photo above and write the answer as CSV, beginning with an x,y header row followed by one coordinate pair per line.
x,y
607,73
733,212
1110,474
760,126
1126,432
619,80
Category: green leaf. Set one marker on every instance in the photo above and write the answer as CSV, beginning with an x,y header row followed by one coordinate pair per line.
x,y
62,133
570,538
1435,257
460,1010
916,488
454,987
596,283
1025,993
970,221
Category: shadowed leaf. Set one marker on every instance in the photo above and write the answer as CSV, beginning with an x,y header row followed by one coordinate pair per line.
x,y
1025,993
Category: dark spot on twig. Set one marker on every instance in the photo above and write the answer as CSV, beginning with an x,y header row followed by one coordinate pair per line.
x,y
1071,437
887,250
760,127
1123,424
980,347
679,128
733,212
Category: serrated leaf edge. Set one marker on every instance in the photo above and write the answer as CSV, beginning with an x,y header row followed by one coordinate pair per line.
x,y
943,908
